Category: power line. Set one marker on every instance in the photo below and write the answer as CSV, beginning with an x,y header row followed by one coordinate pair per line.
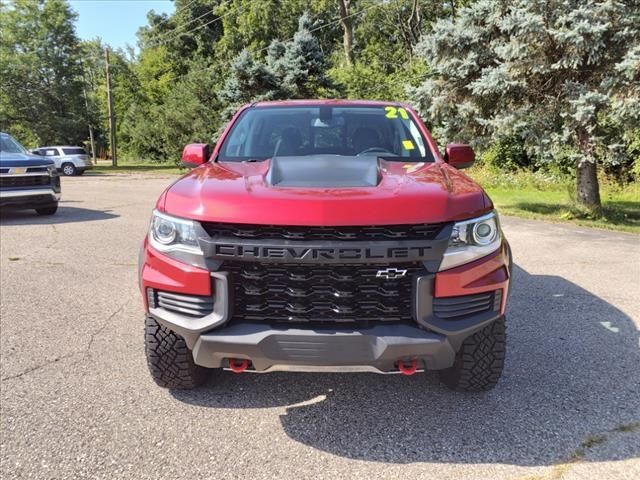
x,y
315,29
176,12
159,40
216,19
337,20
333,22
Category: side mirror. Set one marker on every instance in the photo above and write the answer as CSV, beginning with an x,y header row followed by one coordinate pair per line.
x,y
195,154
459,155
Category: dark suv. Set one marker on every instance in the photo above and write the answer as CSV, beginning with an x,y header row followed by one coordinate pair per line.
x,y
26,180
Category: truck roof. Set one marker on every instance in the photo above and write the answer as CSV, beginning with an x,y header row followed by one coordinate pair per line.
x,y
61,146
333,102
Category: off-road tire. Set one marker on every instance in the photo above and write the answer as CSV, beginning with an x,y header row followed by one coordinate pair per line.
x,y
169,359
479,362
69,169
49,210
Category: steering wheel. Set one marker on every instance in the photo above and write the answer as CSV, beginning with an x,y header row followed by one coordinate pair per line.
x,y
375,149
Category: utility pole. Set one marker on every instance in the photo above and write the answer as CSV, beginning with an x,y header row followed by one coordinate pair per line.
x,y
93,145
86,106
112,116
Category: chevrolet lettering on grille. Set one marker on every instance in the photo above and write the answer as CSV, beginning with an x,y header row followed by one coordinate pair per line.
x,y
301,254
338,252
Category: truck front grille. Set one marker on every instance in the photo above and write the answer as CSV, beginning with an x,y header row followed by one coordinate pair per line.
x,y
321,293
25,181
427,231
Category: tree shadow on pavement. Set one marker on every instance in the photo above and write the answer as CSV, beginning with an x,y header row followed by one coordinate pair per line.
x,y
572,373
63,215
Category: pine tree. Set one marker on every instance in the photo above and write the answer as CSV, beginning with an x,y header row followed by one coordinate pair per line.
x,y
292,69
303,66
250,81
547,72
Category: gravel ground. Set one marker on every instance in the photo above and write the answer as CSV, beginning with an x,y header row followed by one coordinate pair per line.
x,y
77,400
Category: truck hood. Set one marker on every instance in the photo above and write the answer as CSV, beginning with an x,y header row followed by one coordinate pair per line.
x,y
405,193
8,159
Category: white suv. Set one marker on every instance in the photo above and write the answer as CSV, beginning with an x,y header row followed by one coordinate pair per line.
x,y
69,160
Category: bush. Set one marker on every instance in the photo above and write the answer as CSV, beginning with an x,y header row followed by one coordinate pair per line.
x,y
507,155
543,180
369,80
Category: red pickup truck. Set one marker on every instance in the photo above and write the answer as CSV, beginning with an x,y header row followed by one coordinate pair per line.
x,y
325,235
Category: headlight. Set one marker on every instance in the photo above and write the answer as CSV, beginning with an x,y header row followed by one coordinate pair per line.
x,y
52,170
175,237
472,239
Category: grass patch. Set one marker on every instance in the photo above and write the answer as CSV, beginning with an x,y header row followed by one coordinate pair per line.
x,y
542,196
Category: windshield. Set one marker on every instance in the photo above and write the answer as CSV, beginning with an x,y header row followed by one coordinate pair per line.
x,y
383,131
9,145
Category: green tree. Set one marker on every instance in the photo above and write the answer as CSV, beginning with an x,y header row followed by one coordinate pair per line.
x,y
303,65
126,88
191,32
253,25
189,113
545,71
249,81
41,88
391,30
385,36
293,69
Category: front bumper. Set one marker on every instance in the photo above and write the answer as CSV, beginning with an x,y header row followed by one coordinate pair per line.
x,y
432,340
29,197
375,349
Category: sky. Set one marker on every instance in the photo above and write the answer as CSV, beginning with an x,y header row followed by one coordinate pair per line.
x,y
115,21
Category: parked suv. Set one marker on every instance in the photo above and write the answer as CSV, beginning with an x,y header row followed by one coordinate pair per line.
x,y
27,181
325,236
69,160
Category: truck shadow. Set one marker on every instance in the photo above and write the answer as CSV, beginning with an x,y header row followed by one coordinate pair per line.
x,y
572,374
64,214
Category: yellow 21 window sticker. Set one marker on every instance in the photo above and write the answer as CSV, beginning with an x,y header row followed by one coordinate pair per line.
x,y
393,112
408,145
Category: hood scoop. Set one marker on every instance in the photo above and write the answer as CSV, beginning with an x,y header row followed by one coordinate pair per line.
x,y
324,171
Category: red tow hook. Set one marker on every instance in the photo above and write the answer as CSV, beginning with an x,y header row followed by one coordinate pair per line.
x,y
408,369
238,367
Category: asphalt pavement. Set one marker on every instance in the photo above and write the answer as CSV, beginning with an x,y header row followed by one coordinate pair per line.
x,y
77,400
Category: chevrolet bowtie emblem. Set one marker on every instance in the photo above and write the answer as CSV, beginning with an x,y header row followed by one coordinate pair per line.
x,y
391,273
18,170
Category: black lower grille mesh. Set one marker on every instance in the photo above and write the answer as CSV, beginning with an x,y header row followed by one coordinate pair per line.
x,y
462,306
25,181
194,305
322,293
